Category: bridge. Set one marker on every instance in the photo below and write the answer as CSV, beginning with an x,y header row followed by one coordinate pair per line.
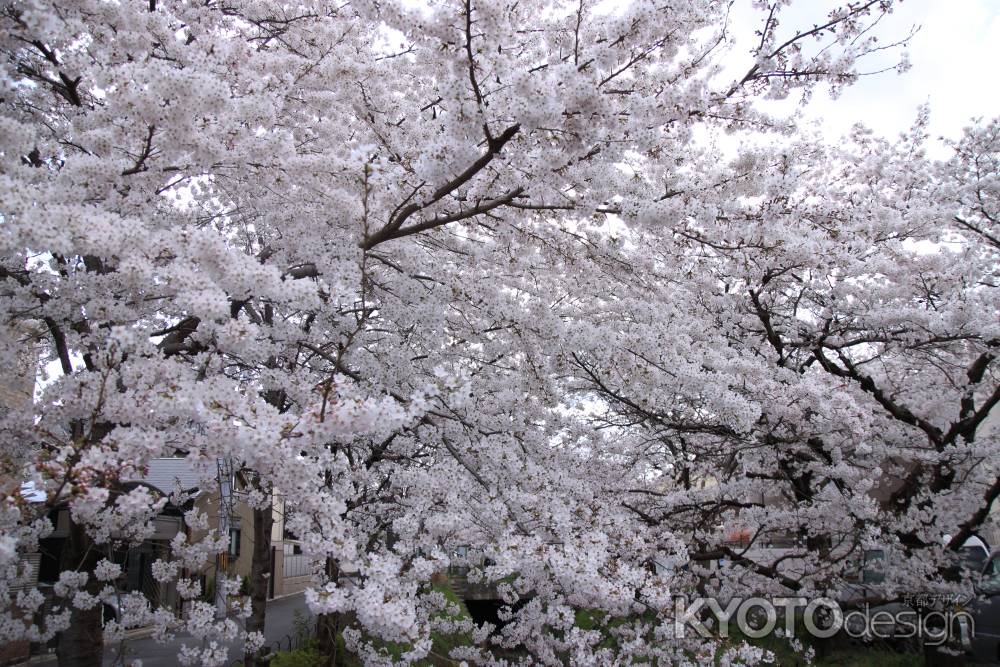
x,y
464,589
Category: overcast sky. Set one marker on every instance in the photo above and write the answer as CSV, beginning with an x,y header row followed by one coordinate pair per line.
x,y
954,57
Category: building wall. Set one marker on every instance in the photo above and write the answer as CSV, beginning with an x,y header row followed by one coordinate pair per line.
x,y
990,531
241,520
12,653
17,387
291,569
19,651
291,573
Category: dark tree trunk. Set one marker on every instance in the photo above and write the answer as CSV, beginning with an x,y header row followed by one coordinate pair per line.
x,y
328,627
260,572
82,643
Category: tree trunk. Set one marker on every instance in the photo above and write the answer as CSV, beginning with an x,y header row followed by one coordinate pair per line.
x,y
260,571
82,643
328,627
328,631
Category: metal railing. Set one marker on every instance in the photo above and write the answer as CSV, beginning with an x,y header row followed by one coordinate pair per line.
x,y
289,642
296,566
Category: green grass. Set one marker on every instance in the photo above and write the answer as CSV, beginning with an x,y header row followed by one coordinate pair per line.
x,y
590,619
443,643
784,655
600,621
303,657
836,655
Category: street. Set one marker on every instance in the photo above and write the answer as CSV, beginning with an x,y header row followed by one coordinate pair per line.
x,y
280,628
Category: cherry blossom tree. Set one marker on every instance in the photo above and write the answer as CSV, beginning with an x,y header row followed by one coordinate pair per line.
x,y
451,273
840,393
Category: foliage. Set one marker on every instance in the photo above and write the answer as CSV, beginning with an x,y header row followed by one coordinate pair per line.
x,y
303,657
452,630
303,630
838,651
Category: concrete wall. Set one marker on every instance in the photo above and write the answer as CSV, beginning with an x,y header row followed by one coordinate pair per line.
x,y
291,573
242,519
17,387
991,527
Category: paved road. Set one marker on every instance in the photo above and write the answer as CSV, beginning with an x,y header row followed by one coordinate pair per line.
x,y
280,625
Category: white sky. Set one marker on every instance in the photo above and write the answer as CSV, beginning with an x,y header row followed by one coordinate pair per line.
x,y
954,59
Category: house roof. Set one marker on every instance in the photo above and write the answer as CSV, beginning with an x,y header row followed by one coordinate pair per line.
x,y
166,475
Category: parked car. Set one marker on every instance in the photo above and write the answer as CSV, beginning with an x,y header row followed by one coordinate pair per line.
x,y
985,612
976,631
945,646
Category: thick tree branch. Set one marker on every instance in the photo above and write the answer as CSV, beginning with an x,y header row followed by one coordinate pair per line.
x,y
976,520
440,220
393,229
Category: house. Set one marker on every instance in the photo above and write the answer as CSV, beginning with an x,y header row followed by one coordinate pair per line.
x,y
289,569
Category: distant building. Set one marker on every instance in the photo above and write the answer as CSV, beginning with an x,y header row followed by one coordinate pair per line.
x,y
17,388
289,572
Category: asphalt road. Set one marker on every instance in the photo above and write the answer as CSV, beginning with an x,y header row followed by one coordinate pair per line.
x,y
280,627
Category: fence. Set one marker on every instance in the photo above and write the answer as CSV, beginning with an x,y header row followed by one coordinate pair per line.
x,y
288,642
296,566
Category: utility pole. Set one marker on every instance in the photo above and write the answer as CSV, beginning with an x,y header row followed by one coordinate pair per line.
x,y
225,467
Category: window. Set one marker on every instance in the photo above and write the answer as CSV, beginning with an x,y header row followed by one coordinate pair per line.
x,y
874,568
234,542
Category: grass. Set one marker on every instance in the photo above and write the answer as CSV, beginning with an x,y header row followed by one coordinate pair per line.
x,y
589,619
443,643
303,657
784,656
835,655
592,619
